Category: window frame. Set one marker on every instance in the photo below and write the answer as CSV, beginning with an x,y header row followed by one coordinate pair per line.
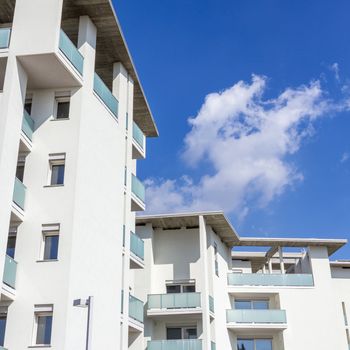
x,y
61,99
49,230
56,160
42,311
254,342
183,330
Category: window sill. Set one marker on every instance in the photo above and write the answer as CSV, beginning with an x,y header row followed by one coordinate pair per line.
x,y
59,119
39,346
48,186
47,260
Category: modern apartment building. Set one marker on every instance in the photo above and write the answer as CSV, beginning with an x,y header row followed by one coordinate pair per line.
x,y
205,288
73,123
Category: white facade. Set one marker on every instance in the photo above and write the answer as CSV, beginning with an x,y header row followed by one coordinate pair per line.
x,y
296,297
68,150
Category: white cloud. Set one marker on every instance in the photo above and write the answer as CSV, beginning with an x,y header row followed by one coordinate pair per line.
x,y
345,157
335,68
244,141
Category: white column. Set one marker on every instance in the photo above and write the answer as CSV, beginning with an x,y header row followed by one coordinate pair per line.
x,y
87,47
270,265
205,283
280,253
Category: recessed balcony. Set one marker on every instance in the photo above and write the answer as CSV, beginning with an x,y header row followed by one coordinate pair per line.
x,y
9,279
105,96
5,34
262,320
138,194
180,344
27,132
19,196
270,280
138,142
172,304
136,313
137,251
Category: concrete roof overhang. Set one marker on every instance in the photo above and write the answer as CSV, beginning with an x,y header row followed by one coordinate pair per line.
x,y
222,226
217,220
111,48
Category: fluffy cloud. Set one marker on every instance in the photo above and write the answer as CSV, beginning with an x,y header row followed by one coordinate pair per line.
x,y
244,142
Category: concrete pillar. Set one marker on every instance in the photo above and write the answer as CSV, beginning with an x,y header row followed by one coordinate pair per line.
x,y
206,338
270,265
11,115
120,91
280,253
87,47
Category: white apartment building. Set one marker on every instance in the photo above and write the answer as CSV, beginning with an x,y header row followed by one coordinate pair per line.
x,y
78,274
207,288
73,123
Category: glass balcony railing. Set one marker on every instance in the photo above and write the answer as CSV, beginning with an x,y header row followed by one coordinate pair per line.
x,y
256,316
211,304
213,346
174,301
19,193
28,125
181,344
138,136
71,52
106,95
135,309
137,245
5,34
259,279
10,270
138,188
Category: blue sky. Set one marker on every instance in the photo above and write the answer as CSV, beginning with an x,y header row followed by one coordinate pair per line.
x,y
299,53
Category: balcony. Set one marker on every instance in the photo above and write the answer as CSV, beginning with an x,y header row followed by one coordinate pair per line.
x,y
59,65
213,346
171,304
138,194
10,270
270,280
70,51
19,194
5,34
106,96
137,251
28,125
243,320
181,344
138,142
135,314
211,304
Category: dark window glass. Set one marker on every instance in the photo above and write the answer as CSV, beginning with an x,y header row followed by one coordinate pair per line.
x,y
43,335
173,333
2,329
62,110
190,333
20,172
28,107
11,246
245,344
51,247
173,289
263,344
189,289
57,174
261,305
243,304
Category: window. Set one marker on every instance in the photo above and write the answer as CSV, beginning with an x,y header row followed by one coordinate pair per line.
x,y
181,333
254,344
252,304
216,259
50,242
3,319
28,106
57,169
181,288
62,106
43,324
11,246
